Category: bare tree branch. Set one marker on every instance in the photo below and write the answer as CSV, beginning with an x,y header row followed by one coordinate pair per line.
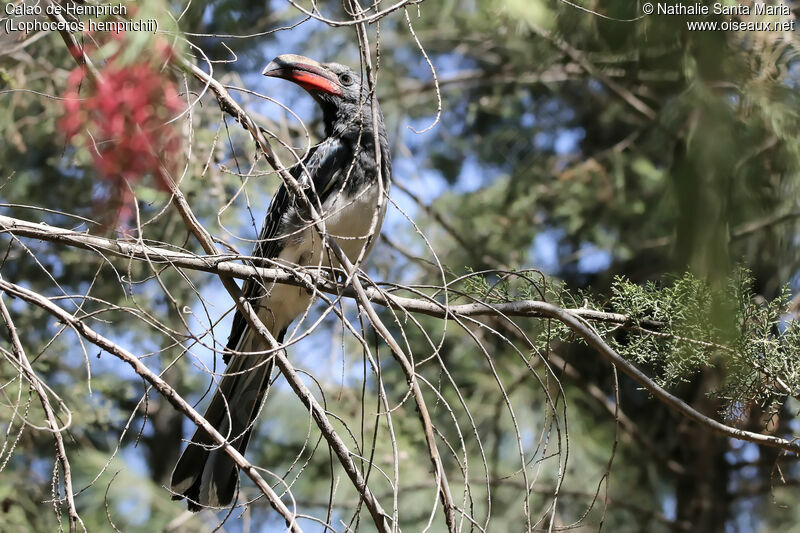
x,y
52,421
80,327
576,319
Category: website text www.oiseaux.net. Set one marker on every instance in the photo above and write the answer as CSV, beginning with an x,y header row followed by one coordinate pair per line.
x,y
778,19
740,25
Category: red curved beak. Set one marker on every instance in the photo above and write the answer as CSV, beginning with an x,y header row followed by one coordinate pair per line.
x,y
307,73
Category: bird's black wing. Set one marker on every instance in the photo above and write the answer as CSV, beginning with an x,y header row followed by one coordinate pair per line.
x,y
322,165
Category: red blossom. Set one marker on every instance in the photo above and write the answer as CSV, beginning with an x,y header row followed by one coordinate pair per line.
x,y
125,115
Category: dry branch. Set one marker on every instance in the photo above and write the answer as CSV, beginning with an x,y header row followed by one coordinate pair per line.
x,y
159,384
52,421
229,266
576,319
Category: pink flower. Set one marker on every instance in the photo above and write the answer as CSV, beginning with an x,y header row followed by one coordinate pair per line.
x,y
127,114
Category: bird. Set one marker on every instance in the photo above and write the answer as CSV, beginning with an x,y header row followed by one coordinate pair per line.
x,y
343,180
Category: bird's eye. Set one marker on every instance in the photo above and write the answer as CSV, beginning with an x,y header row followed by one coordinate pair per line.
x,y
346,79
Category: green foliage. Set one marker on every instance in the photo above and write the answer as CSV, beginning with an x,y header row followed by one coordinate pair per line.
x,y
752,340
686,307
531,147
680,327
505,287
685,325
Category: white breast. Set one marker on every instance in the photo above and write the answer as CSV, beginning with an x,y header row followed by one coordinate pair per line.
x,y
348,221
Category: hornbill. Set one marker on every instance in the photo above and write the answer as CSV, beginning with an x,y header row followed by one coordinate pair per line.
x,y
341,180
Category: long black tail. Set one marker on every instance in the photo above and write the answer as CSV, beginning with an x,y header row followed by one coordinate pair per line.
x,y
205,475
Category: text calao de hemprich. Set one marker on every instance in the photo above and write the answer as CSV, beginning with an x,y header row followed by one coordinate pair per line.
x,y
67,9
27,18
758,8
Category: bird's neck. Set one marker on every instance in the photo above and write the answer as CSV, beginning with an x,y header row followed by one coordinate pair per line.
x,y
352,130
353,125
347,120
329,116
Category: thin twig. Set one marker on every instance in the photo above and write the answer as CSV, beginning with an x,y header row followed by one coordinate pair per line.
x,y
160,385
52,421
575,319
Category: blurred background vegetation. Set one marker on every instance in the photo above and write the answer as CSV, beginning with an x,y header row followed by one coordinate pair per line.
x,y
588,147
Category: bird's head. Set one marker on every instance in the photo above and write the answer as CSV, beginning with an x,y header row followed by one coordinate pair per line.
x,y
337,88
